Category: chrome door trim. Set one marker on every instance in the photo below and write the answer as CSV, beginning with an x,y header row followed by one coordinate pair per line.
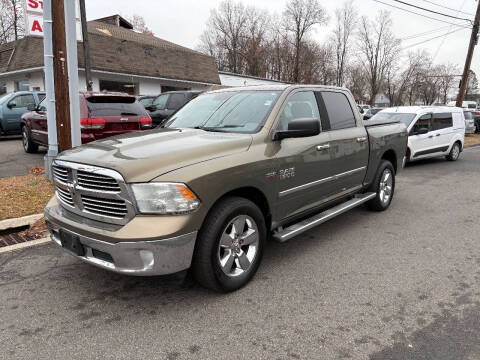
x,y
321,181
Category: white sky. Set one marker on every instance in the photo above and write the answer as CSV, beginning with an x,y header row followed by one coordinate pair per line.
x,y
182,21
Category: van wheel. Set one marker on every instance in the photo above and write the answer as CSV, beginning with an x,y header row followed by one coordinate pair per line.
x,y
230,245
28,145
454,153
384,186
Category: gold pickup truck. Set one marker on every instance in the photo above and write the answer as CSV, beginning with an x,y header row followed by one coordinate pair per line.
x,y
230,169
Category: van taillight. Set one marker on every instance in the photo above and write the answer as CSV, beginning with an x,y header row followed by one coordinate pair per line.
x,y
92,123
146,122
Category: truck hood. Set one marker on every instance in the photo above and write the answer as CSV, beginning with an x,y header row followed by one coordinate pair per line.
x,y
142,156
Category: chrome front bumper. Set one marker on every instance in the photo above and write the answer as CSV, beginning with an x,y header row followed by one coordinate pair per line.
x,y
142,258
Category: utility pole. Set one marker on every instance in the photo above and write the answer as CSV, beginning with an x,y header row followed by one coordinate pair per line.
x,y
86,49
60,76
468,61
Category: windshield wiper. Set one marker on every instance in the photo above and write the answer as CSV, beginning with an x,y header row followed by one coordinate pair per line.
x,y
217,128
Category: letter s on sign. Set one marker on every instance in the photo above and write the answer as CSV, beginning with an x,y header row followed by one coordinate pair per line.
x,y
33,4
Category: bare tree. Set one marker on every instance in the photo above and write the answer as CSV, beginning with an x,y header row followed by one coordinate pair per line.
x,y
139,24
378,47
357,82
11,20
226,28
446,82
300,16
345,24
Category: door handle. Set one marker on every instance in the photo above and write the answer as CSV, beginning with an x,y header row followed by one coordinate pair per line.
x,y
323,147
437,135
361,139
431,136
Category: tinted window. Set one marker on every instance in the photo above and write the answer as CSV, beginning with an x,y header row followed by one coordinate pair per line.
x,y
339,110
442,121
161,101
113,106
24,100
300,105
423,122
42,106
176,101
228,111
146,101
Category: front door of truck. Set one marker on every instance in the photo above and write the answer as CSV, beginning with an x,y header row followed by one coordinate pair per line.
x,y
349,146
303,165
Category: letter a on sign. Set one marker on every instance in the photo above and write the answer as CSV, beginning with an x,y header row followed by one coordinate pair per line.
x,y
36,27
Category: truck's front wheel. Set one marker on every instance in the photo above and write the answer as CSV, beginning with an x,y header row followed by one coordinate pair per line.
x,y
230,245
384,186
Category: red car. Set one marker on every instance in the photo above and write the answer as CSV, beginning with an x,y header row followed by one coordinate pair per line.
x,y
101,115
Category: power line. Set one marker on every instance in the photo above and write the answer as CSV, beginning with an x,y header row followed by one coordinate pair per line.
x,y
433,11
413,12
434,38
429,32
445,37
449,8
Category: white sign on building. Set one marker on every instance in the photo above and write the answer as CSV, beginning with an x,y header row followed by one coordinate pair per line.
x,y
34,18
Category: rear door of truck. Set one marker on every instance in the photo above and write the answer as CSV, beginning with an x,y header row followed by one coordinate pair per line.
x,y
349,146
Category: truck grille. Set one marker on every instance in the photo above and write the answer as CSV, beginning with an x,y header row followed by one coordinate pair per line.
x,y
109,207
93,192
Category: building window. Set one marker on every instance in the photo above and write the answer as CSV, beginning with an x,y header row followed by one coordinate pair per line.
x,y
118,86
3,88
22,85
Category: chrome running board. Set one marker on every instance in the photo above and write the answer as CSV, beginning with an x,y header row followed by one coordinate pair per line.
x,y
285,234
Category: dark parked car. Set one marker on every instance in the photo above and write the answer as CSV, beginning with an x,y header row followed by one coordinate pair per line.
x,y
476,119
101,115
13,106
146,100
168,103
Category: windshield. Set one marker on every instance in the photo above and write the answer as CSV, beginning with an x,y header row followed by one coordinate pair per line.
x,y
402,117
229,111
4,97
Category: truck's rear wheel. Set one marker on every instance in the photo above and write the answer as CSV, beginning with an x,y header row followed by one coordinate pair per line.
x,y
230,245
384,186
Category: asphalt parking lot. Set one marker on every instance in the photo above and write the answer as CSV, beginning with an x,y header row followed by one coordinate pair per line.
x,y
403,284
14,161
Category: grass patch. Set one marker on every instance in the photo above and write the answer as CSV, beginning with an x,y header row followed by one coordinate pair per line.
x,y
24,195
472,140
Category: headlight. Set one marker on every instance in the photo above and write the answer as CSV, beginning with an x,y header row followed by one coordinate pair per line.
x,y
164,198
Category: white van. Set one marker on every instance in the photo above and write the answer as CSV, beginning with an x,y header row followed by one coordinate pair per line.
x,y
432,131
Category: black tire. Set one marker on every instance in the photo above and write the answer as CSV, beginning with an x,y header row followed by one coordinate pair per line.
x,y
206,267
28,145
454,152
379,202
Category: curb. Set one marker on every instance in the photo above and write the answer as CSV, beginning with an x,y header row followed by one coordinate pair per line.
x,y
26,244
18,222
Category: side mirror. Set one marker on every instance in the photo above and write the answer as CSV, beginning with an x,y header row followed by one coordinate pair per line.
x,y
31,107
299,128
11,104
151,107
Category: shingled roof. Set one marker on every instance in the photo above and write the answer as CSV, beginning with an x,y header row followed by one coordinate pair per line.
x,y
118,49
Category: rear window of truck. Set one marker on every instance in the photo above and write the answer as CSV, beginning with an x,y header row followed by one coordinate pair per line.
x,y
114,106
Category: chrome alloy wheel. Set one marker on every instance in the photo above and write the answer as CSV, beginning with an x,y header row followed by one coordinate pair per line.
x,y
455,152
24,138
238,245
386,186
